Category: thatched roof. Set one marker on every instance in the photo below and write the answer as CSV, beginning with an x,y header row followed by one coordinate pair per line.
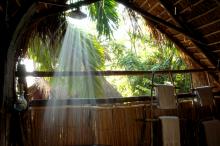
x,y
42,90
193,25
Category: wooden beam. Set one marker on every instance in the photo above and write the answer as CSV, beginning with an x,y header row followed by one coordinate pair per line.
x,y
157,20
191,47
182,48
217,2
177,2
144,3
203,48
87,101
193,5
216,51
186,51
96,101
185,9
209,55
205,13
161,13
214,43
151,9
208,24
212,33
108,73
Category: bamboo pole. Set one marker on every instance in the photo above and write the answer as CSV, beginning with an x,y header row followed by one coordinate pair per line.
x,y
107,73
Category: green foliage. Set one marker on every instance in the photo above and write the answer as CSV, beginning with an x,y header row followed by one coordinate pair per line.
x,y
105,14
46,59
149,55
162,57
42,54
95,52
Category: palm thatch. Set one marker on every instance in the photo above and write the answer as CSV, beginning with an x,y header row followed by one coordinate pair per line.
x,y
192,25
41,89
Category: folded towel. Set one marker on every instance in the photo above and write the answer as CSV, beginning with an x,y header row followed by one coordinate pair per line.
x,y
166,97
212,132
170,130
205,95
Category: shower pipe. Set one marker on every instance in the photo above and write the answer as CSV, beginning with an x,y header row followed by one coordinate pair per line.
x,y
108,73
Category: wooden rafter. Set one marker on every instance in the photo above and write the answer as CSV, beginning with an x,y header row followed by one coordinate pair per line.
x,y
183,48
208,55
154,6
186,8
203,48
212,33
193,5
208,24
201,15
217,2
157,20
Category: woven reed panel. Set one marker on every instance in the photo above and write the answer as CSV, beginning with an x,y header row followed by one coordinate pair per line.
x,y
115,125
84,125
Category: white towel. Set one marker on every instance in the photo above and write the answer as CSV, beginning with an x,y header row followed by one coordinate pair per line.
x,y
212,132
166,97
205,95
170,130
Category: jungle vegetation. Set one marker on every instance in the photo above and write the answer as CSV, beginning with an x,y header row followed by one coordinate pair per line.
x,y
138,50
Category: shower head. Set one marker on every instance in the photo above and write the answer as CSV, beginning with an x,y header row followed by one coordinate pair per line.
x,y
77,14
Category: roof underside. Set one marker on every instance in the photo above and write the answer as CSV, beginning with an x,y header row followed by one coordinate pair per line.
x,y
193,25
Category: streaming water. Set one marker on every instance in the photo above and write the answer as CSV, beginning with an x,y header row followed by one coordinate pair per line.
x,y
77,54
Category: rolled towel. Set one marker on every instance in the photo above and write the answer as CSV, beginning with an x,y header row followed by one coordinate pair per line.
x,y
166,97
212,132
205,95
170,130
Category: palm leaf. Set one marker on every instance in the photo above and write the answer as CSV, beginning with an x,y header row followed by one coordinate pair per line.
x,y
105,14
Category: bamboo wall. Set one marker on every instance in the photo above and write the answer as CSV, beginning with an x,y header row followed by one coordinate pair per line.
x,y
107,124
84,125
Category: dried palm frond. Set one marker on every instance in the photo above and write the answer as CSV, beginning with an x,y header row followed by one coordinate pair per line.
x,y
158,37
39,90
